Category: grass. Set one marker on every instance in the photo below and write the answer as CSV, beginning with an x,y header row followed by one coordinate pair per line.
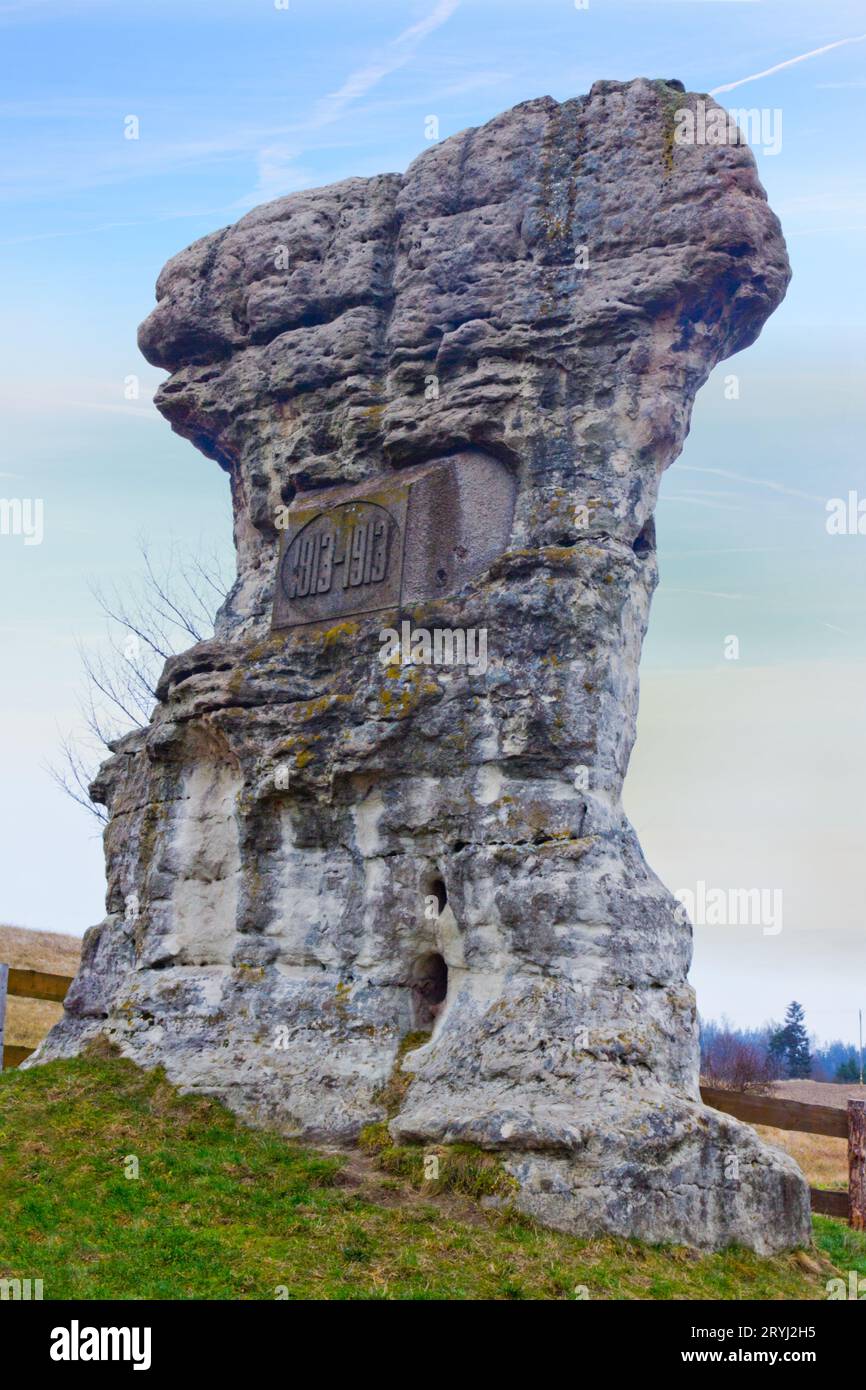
x,y
458,1168
846,1249
220,1211
823,1159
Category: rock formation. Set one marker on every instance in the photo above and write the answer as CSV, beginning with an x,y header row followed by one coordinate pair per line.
x,y
444,399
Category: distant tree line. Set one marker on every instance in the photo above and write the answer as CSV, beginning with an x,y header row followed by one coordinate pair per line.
x,y
741,1057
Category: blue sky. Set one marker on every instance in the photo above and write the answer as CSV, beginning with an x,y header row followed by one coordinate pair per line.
x,y
747,772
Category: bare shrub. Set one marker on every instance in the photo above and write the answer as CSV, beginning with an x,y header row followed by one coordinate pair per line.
x,y
734,1063
171,605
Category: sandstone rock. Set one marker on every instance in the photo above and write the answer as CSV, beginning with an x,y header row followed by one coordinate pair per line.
x,y
499,348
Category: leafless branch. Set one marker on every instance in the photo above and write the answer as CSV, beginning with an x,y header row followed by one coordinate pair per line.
x,y
146,623
74,779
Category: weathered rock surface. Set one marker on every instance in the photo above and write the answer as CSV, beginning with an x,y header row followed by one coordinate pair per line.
x,y
296,804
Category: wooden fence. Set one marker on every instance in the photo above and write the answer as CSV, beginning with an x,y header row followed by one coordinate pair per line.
x,y
847,1124
26,984
755,1109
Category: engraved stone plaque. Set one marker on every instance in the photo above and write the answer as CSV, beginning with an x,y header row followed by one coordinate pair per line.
x,y
402,538
345,559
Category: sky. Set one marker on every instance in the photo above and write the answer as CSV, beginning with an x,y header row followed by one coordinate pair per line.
x,y
750,763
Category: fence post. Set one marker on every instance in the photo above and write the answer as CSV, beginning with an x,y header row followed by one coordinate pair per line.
x,y
4,977
857,1164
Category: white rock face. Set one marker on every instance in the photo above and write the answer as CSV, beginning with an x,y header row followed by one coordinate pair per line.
x,y
204,848
331,851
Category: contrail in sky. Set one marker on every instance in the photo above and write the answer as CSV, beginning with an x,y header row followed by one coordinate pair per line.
x,y
789,63
397,53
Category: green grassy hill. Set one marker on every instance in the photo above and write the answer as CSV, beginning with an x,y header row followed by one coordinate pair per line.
x,y
223,1212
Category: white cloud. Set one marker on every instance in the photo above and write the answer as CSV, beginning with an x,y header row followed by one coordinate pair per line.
x,y
279,170
396,55
700,502
705,593
744,478
279,173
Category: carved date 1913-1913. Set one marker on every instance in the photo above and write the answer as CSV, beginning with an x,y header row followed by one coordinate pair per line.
x,y
349,550
341,560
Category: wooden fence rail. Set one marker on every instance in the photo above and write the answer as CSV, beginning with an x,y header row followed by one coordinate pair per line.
x,y
26,984
780,1113
4,981
775,1112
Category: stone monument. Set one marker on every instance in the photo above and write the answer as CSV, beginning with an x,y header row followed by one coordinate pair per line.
x,y
384,799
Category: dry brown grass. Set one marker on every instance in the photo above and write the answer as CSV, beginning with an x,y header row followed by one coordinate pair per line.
x,y
823,1160
28,1020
